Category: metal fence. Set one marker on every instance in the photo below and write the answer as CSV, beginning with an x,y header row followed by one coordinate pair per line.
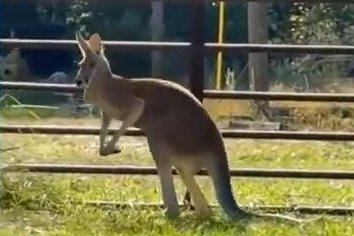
x,y
197,47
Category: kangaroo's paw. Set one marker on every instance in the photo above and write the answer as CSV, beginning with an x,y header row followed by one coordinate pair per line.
x,y
109,151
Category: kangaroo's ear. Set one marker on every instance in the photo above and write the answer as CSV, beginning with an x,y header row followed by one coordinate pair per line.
x,y
83,45
96,43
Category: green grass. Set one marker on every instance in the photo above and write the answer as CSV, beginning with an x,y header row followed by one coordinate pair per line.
x,y
42,204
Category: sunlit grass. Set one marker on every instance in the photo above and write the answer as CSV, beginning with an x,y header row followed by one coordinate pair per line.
x,y
43,204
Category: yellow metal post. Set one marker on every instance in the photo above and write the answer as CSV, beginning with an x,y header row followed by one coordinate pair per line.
x,y
220,40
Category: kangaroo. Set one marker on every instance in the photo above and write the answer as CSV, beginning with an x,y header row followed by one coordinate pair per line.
x,y
179,131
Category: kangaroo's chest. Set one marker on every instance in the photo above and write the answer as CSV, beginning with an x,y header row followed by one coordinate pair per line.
x,y
109,102
112,110
116,105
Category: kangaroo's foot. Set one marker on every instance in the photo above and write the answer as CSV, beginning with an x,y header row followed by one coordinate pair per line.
x,y
172,213
203,212
109,150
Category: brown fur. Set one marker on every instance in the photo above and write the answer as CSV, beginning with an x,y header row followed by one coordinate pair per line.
x,y
179,131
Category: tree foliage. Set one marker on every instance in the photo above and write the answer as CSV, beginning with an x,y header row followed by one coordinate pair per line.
x,y
300,23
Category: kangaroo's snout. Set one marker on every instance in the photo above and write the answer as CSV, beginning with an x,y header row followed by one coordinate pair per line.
x,y
78,83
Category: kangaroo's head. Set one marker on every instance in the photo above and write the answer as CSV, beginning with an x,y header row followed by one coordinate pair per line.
x,y
93,63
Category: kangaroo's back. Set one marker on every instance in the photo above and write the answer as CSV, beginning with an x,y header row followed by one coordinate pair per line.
x,y
174,114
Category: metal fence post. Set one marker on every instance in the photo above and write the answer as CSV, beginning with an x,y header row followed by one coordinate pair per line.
x,y
196,64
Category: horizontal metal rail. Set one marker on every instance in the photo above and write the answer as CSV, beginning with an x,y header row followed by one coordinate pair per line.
x,y
70,44
212,94
149,45
301,209
51,87
134,170
140,170
226,133
196,1
279,96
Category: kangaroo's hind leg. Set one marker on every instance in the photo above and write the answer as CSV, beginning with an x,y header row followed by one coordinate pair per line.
x,y
201,205
164,171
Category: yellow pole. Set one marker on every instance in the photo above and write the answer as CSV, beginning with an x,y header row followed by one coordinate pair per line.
x,y
220,40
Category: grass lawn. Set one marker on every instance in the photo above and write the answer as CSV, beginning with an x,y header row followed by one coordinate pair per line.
x,y
41,204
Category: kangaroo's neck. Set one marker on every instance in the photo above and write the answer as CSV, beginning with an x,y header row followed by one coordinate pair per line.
x,y
103,81
102,73
107,81
105,73
98,81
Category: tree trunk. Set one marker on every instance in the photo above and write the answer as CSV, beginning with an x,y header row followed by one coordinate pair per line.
x,y
157,34
258,33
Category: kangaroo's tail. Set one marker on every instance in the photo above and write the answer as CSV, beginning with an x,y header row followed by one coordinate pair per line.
x,y
219,172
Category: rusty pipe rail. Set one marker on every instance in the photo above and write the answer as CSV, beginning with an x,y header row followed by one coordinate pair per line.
x,y
210,46
143,170
226,133
301,209
211,94
72,44
279,96
250,172
45,2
